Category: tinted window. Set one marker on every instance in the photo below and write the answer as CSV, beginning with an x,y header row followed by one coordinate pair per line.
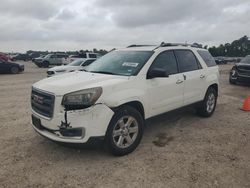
x,y
88,62
92,55
53,56
61,56
166,60
186,60
82,56
207,57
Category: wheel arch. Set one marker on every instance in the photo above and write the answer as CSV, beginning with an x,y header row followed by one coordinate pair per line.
x,y
135,104
215,86
15,67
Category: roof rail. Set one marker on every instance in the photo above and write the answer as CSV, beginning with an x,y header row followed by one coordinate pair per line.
x,y
194,45
136,45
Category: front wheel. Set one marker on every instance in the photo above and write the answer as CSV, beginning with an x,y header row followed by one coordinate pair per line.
x,y
14,70
45,64
207,106
125,131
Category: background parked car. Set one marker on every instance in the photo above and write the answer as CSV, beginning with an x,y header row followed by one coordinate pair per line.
x,y
220,60
4,57
87,55
51,59
78,64
21,57
241,72
34,55
10,67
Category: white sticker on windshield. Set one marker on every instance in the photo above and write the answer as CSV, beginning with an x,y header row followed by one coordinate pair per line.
x,y
130,64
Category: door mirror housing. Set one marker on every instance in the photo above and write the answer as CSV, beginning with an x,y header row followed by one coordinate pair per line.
x,y
157,73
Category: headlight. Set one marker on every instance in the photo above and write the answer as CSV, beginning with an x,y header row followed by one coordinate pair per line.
x,y
233,72
81,99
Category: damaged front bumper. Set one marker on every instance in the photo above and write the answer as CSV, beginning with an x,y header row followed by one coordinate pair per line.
x,y
76,126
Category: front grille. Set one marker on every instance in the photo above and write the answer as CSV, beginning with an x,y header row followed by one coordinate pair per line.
x,y
244,72
42,103
50,72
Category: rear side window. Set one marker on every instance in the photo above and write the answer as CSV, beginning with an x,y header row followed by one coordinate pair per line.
x,y
92,55
186,60
207,57
166,60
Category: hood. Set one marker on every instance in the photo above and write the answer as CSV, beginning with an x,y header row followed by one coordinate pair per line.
x,y
38,59
16,64
243,66
75,81
66,68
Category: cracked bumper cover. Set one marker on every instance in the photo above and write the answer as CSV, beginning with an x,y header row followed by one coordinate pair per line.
x,y
93,122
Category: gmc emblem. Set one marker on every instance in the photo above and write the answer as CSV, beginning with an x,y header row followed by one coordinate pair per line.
x,y
38,99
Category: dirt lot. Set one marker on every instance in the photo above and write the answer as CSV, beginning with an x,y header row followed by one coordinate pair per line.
x,y
178,149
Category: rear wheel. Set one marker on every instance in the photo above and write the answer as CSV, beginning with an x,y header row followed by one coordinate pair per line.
x,y
14,70
207,106
125,131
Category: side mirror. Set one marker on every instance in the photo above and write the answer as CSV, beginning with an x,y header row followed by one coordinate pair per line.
x,y
157,73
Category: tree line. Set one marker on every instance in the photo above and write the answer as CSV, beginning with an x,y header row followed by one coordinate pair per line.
x,y
238,48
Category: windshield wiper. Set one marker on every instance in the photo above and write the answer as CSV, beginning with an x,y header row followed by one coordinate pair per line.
x,y
103,72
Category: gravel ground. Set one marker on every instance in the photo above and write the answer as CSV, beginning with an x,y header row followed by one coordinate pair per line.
x,y
178,149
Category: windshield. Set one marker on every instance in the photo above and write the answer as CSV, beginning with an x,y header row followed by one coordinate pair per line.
x,y
76,63
246,60
124,63
47,56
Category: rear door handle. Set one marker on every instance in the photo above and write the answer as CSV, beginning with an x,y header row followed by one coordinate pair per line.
x,y
202,76
179,81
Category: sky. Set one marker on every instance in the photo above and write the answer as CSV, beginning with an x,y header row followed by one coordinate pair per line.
x,y
77,24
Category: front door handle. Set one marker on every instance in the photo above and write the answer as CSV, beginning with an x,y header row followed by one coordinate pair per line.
x,y
202,76
179,81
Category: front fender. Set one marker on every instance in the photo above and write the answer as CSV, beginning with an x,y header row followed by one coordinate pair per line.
x,y
119,98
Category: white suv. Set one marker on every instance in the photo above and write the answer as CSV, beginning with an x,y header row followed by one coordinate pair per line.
x,y
116,94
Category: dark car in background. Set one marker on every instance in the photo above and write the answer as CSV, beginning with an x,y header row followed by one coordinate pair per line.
x,y
34,55
220,60
241,72
21,57
10,67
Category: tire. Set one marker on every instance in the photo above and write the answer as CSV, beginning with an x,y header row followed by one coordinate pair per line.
x,y
14,70
208,105
231,81
46,64
126,126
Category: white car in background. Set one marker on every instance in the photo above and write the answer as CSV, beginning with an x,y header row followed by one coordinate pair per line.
x,y
76,65
87,55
